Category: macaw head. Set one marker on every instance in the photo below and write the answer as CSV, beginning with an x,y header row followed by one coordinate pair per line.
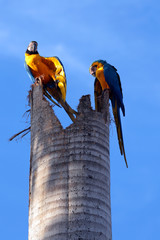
x,y
32,47
93,70
95,65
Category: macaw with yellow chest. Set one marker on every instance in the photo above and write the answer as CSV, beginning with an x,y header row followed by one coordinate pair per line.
x,y
52,74
106,77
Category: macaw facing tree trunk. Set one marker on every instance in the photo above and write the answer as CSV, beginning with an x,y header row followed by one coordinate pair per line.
x,y
51,72
106,77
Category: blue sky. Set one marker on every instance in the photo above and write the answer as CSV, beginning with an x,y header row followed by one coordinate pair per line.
x,y
126,33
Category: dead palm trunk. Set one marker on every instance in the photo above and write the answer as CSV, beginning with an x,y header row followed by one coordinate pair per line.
x,y
69,174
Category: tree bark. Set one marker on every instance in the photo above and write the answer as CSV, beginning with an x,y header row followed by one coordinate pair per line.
x,y
69,174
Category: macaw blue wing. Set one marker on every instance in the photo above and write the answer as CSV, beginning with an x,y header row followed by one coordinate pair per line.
x,y
29,72
113,80
61,64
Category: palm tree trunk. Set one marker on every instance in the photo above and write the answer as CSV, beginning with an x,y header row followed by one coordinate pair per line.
x,y
69,174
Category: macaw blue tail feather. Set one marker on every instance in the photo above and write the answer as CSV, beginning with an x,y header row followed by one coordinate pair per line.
x,y
116,113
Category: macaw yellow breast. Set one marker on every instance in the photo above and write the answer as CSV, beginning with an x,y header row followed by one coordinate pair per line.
x,y
100,76
40,66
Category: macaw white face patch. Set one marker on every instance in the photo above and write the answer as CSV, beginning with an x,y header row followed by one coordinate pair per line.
x,y
93,70
32,47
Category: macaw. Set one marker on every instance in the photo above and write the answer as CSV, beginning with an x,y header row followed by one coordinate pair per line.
x,y
52,74
106,77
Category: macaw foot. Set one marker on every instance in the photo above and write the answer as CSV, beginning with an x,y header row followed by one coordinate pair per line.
x,y
39,80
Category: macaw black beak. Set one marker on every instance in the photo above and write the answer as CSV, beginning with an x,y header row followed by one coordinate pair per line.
x,y
35,47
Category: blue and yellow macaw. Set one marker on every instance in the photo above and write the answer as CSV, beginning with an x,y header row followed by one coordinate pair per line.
x,y
106,77
52,74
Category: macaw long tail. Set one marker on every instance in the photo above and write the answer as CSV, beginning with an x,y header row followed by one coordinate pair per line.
x,y
116,113
68,110
65,105
49,97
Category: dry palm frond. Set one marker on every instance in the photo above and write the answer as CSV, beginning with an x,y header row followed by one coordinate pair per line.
x,y
25,131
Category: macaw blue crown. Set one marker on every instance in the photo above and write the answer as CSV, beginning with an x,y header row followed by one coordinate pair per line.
x,y
101,61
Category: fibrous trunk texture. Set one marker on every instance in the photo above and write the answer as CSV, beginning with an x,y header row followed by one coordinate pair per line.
x,y
69,196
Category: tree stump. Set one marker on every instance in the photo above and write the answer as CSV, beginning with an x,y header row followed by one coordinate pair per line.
x,y
69,174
